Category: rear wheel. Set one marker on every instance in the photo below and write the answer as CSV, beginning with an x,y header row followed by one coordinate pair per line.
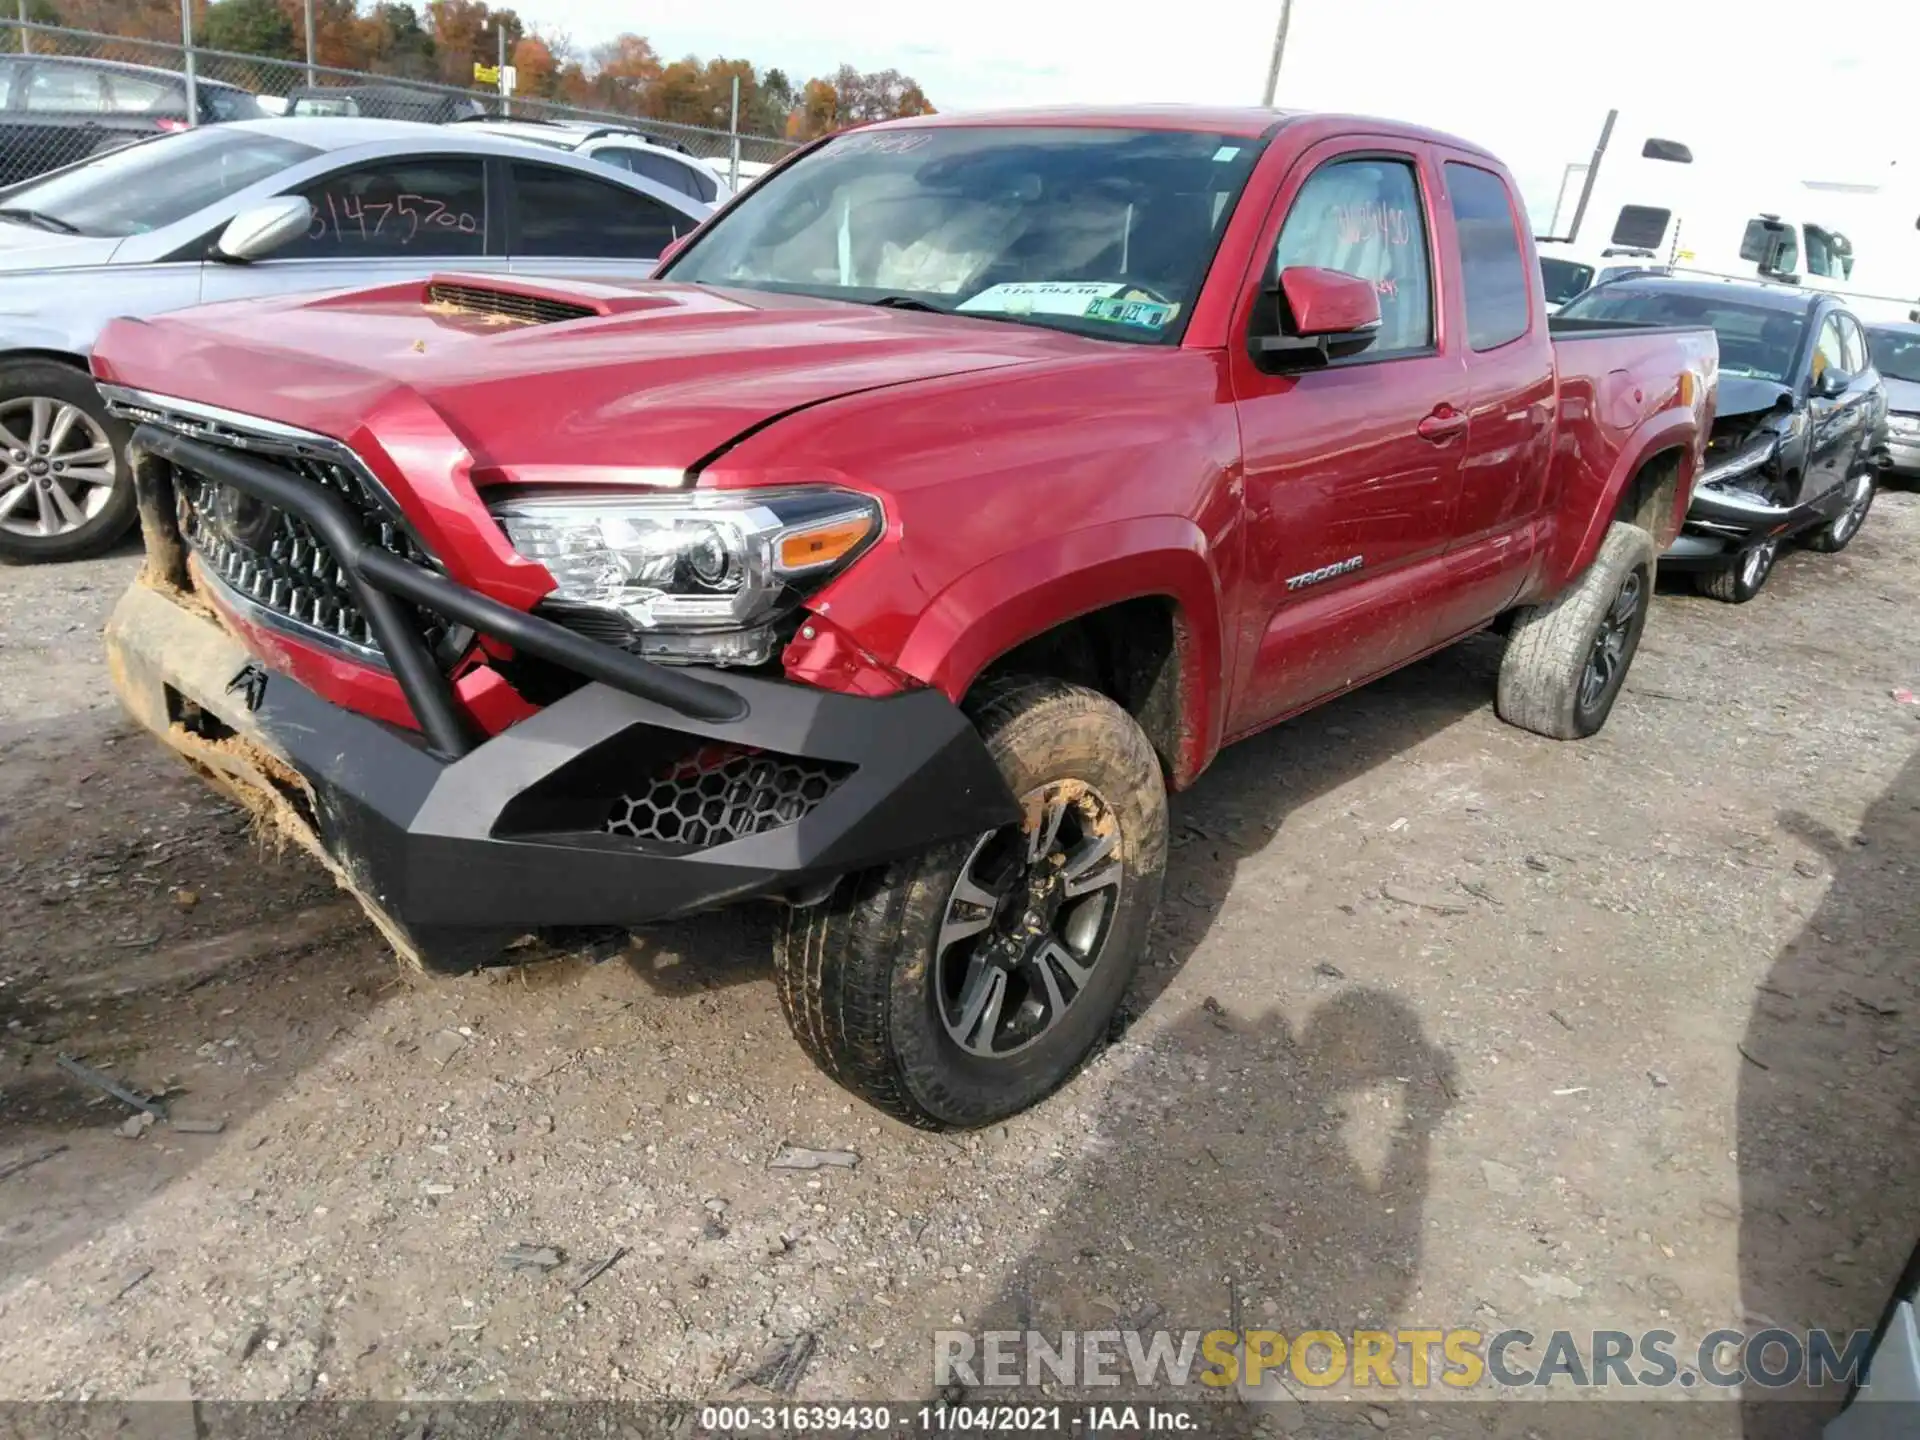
x,y
1565,662
65,488
1838,533
958,987
1745,578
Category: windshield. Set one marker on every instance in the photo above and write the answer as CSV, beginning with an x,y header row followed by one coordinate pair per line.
x,y
1756,341
1102,232
143,187
1564,279
1896,353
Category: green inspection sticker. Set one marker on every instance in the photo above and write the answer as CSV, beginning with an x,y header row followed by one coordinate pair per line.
x,y
1147,314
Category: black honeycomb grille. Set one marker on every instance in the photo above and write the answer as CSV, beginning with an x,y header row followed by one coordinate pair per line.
x,y
722,793
279,564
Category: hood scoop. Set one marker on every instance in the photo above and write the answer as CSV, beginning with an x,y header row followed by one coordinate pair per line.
x,y
506,307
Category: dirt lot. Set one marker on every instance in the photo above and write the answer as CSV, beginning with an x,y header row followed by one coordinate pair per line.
x,y
1444,1025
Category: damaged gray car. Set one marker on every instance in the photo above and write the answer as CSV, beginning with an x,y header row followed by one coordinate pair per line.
x,y
1802,417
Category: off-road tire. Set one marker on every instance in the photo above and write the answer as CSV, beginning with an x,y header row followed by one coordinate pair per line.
x,y
1839,532
103,531
855,974
1550,645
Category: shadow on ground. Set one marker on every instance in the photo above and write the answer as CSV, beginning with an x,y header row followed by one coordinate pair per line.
x,y
1829,1097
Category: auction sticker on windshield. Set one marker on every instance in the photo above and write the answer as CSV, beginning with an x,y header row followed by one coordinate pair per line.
x,y
1088,299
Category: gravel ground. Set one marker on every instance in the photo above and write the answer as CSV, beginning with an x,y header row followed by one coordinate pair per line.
x,y
1444,1025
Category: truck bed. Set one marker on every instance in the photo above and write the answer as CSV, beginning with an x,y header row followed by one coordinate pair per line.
x,y
1616,381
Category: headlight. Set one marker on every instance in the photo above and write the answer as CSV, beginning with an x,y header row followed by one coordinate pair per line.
x,y
697,577
1750,457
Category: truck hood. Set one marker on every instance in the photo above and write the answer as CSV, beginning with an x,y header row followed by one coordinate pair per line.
x,y
624,380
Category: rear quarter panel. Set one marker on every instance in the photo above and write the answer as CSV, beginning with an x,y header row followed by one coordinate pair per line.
x,y
1624,400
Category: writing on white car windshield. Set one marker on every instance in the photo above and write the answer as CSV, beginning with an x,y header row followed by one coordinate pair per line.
x,y
1103,232
1758,342
142,187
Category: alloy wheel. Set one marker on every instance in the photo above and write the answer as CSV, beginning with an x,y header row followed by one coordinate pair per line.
x,y
1027,921
1856,512
57,466
1609,654
1757,562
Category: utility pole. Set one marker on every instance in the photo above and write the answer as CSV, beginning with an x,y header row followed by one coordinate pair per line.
x,y
310,79
1279,49
500,35
26,36
186,56
733,168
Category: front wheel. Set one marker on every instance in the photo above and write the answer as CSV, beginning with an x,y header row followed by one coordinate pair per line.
x,y
65,489
1566,661
1838,533
1739,582
965,984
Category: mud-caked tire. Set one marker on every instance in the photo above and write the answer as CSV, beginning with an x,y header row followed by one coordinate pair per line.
x,y
890,984
1566,660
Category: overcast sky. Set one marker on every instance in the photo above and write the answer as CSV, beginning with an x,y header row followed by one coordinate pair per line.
x,y
1530,79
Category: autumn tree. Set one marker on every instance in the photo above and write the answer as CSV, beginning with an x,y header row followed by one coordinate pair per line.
x,y
249,27
622,70
398,44
881,95
818,113
535,68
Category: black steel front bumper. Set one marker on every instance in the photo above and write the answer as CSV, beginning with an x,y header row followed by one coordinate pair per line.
x,y
458,845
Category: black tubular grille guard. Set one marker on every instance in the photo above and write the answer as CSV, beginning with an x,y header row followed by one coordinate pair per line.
x,y
378,578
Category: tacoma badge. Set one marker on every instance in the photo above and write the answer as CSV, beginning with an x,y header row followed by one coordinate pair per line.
x,y
1325,572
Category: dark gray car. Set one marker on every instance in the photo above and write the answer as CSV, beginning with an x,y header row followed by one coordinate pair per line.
x,y
257,208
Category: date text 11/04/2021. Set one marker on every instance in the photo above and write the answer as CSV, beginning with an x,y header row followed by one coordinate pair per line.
x,y
944,1419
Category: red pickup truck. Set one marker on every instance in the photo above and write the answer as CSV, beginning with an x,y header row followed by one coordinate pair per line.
x,y
953,495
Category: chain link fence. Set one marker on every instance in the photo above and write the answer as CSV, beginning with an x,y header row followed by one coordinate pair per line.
x,y
66,112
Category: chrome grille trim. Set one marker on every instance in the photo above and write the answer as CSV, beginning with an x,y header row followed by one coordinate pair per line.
x,y
284,579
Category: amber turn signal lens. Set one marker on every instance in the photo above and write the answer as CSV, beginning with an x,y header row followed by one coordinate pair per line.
x,y
823,544
1686,388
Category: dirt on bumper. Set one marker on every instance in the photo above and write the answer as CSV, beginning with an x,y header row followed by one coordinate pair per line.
x,y
168,657
533,831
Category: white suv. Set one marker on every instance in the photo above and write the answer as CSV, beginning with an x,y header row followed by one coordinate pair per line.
x,y
623,149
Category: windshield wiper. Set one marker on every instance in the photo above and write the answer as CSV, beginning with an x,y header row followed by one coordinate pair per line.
x,y
23,216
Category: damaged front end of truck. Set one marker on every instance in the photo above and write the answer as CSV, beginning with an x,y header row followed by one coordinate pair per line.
x,y
625,791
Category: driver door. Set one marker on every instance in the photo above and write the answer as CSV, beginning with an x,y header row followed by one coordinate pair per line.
x,y
396,219
1352,470
1835,423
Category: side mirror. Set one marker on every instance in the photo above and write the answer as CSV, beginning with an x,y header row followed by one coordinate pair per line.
x,y
258,232
1832,383
1323,315
672,248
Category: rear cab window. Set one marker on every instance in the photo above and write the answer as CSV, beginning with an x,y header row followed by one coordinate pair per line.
x,y
1493,268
